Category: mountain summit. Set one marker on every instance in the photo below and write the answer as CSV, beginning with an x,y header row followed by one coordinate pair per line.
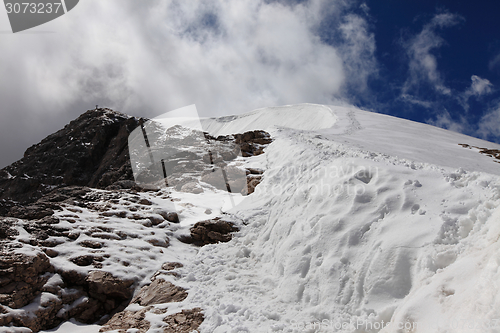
x,y
89,151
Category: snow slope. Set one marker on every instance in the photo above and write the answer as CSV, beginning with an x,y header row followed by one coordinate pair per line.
x,y
303,116
362,223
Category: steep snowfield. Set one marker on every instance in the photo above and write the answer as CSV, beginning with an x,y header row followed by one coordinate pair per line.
x,y
303,116
362,223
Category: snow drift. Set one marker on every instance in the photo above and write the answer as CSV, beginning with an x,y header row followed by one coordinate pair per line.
x,y
375,224
362,223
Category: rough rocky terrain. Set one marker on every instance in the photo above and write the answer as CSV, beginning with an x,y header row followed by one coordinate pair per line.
x,y
89,151
493,153
71,214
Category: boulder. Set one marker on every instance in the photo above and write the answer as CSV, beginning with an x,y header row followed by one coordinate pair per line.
x,y
159,292
103,285
185,321
22,277
126,320
210,232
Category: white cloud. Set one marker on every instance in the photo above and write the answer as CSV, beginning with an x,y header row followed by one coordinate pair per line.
x,y
480,86
489,125
358,50
416,101
149,57
422,62
494,64
227,56
444,120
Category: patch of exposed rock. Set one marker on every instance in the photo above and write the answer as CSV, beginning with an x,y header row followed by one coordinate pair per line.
x,y
210,232
493,153
125,320
55,296
22,277
158,292
252,143
185,321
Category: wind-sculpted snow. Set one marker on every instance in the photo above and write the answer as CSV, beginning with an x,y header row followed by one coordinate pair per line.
x,y
410,140
302,117
338,236
361,223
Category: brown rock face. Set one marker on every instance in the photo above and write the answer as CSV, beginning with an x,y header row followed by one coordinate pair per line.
x,y
158,292
210,232
89,151
30,279
253,142
252,182
103,285
128,319
21,277
184,322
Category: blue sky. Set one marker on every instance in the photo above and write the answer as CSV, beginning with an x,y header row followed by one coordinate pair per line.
x,y
465,43
436,62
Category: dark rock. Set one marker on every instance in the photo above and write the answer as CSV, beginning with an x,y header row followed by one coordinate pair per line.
x,y
172,217
91,244
5,205
24,279
145,202
73,278
254,171
86,260
252,182
210,232
21,277
252,143
42,317
41,230
104,285
90,151
50,252
185,321
30,212
7,232
169,266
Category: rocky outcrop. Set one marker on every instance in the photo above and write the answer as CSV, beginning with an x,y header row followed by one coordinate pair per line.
x,y
158,292
185,321
7,232
252,143
125,320
55,296
493,153
89,151
43,195
22,277
210,232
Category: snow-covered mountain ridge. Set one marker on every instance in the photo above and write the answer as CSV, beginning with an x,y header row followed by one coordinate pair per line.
x,y
368,131
376,224
362,223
